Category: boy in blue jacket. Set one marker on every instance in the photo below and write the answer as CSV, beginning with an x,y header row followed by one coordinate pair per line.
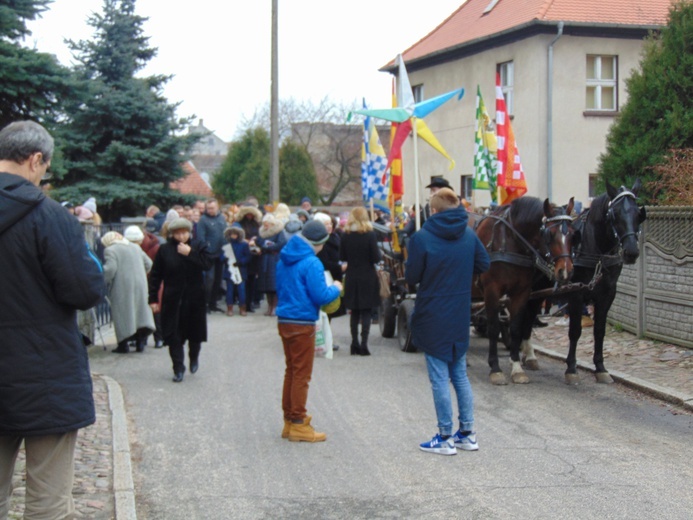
x,y
301,290
443,257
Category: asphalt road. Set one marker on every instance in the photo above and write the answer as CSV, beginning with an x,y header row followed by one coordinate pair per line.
x,y
210,447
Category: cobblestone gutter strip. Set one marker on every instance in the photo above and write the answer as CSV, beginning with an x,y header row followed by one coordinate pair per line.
x,y
660,392
123,485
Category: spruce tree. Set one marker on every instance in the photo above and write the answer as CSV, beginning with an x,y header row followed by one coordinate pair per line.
x,y
658,115
32,84
120,144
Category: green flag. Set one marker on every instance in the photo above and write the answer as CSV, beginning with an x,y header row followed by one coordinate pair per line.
x,y
485,147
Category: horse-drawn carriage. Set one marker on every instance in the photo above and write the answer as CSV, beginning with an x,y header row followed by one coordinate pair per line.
x,y
537,250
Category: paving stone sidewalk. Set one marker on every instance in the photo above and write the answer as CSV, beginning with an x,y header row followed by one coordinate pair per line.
x,y
93,489
655,364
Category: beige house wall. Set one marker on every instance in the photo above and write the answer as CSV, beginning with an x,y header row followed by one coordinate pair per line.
x,y
578,140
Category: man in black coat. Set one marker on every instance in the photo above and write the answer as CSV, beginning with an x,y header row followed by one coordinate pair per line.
x,y
46,273
210,231
437,183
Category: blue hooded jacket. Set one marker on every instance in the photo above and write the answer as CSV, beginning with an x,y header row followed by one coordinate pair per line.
x,y
443,257
301,285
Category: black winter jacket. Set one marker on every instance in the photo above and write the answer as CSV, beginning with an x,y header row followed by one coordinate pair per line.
x,y
46,273
183,308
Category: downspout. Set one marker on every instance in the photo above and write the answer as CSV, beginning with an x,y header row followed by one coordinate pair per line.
x,y
549,122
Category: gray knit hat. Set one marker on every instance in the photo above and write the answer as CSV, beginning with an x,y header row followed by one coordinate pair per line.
x,y
180,223
315,232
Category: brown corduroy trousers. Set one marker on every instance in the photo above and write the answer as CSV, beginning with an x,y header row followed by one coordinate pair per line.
x,y
299,352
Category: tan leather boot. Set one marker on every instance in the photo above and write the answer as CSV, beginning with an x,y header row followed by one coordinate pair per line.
x,y
242,310
229,310
304,432
287,427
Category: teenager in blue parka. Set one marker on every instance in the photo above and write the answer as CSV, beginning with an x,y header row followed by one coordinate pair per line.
x,y
301,290
443,258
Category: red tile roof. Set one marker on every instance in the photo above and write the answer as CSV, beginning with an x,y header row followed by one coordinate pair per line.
x,y
192,183
469,23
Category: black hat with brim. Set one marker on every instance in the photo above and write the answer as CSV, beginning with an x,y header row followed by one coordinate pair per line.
x,y
439,182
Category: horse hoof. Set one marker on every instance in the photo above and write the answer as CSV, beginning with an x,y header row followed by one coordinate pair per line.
x,y
604,377
531,364
520,378
498,379
572,379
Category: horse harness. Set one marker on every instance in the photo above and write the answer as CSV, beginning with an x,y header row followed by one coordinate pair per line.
x,y
544,263
613,257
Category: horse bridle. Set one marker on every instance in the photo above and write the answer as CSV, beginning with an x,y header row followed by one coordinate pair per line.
x,y
611,218
549,223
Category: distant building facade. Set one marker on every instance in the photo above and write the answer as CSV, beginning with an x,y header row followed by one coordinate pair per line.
x,y
209,152
563,67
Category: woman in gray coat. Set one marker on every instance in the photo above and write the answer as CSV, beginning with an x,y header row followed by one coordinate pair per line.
x,y
125,271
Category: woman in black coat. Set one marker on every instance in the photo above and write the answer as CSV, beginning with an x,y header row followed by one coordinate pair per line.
x,y
359,250
180,264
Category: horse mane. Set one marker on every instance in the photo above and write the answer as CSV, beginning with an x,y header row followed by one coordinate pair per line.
x,y
598,209
526,211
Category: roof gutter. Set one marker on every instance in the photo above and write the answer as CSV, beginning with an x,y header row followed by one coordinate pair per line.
x,y
448,53
549,117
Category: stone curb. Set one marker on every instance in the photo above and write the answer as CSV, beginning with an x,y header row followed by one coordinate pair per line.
x,y
123,484
660,392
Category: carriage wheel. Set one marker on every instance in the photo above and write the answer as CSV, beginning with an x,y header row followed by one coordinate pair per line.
x,y
388,317
403,322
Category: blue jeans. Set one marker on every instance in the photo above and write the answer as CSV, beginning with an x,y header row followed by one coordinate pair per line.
x,y
441,373
234,292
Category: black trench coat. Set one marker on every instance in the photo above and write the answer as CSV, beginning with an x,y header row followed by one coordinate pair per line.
x,y
360,251
183,306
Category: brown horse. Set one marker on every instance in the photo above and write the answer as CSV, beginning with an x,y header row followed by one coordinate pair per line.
x,y
529,243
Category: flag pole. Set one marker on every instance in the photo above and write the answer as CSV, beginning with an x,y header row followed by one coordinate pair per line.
x,y
416,176
372,211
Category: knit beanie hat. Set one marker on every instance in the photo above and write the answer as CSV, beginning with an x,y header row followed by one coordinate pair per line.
x,y
315,232
90,204
171,215
322,217
180,223
134,234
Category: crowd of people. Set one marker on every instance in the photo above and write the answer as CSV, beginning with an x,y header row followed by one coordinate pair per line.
x,y
165,276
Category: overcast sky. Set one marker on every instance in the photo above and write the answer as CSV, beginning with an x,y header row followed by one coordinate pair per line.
x,y
219,50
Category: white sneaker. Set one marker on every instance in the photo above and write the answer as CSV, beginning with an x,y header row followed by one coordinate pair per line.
x,y
565,320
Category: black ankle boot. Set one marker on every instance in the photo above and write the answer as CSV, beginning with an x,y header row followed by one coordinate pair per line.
x,y
355,348
123,348
363,351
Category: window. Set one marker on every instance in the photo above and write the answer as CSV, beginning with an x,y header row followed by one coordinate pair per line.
x,y
601,83
418,93
592,186
466,187
506,71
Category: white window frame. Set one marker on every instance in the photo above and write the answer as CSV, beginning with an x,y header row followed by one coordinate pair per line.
x,y
418,92
598,83
507,77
